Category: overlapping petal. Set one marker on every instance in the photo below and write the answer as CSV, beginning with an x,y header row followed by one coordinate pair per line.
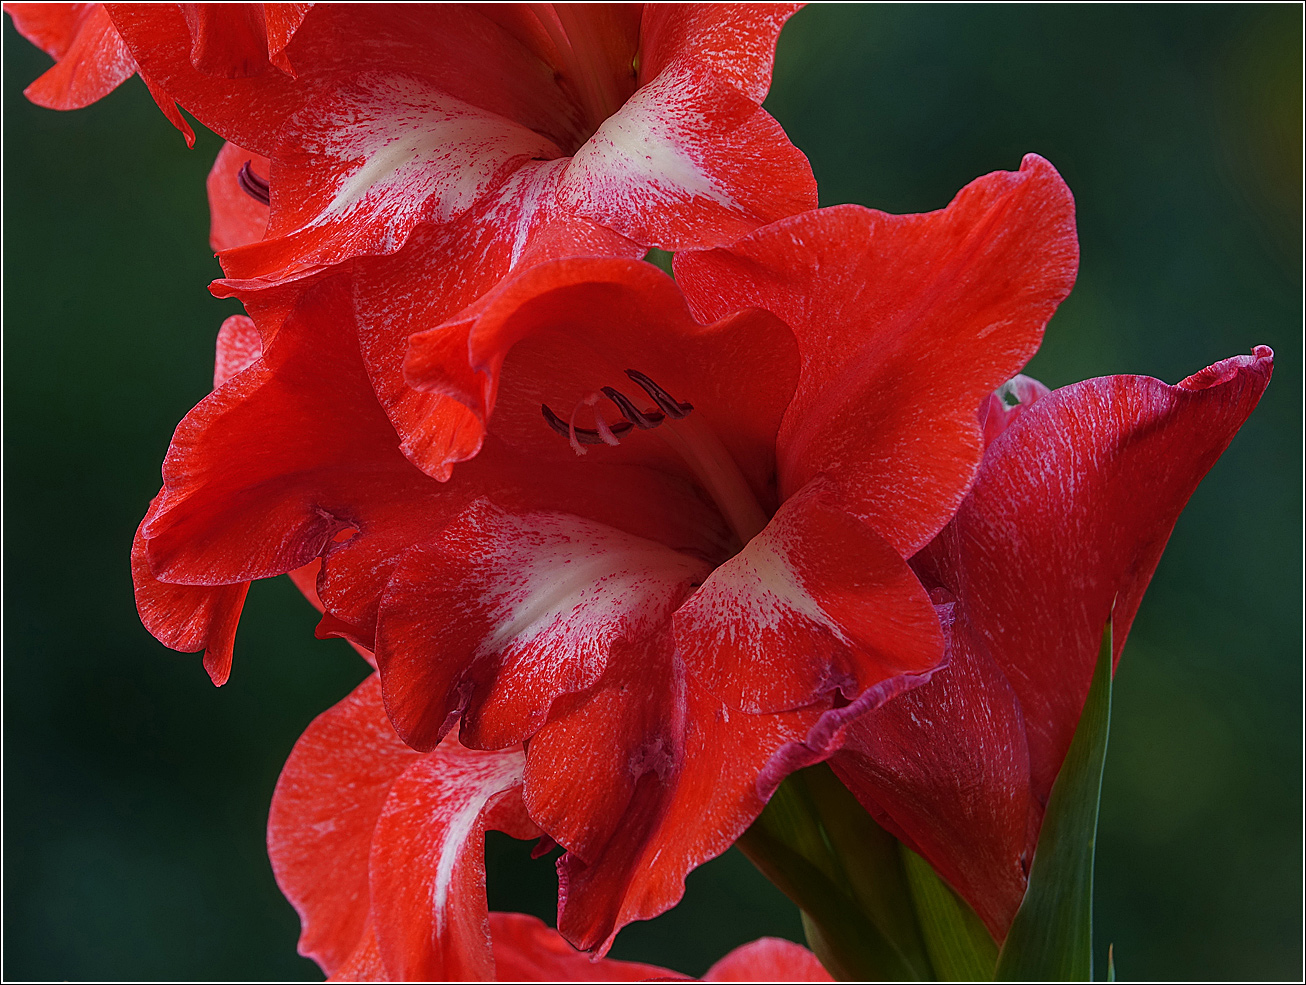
x,y
814,606
187,617
932,312
484,139
236,217
90,59
1104,467
239,39
505,612
279,464
404,115
380,847
556,321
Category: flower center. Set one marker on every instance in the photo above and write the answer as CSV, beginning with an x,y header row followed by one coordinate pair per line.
x,y
691,438
600,87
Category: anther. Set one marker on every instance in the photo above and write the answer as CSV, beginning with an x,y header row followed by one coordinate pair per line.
x,y
252,185
643,421
584,436
670,406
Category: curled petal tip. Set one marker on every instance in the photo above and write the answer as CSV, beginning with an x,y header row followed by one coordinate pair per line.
x,y
1260,360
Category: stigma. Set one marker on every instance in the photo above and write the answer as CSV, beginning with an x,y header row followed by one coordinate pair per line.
x,y
630,416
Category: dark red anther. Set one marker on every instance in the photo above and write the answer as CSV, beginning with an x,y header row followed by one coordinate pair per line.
x,y
586,436
643,421
252,185
669,404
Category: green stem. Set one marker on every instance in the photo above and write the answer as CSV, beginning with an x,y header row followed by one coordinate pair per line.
x,y
849,945
792,845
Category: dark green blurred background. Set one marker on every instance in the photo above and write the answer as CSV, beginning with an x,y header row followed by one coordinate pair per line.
x,y
136,794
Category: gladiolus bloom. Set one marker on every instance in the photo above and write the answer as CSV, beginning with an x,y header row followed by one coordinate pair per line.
x,y
699,603
1075,500
471,140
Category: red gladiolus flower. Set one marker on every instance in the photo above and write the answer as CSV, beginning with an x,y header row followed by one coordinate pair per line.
x,y
380,849
1073,505
491,136
477,139
644,121
701,601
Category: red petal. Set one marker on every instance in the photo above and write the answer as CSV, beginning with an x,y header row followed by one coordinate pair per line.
x,y
949,766
228,39
643,779
1104,466
735,40
266,469
238,348
942,307
815,604
52,27
454,265
428,862
187,617
457,49
405,155
91,59
364,962
769,959
190,617
646,776
442,104
282,21
527,950
235,217
504,613
326,805
380,848
688,162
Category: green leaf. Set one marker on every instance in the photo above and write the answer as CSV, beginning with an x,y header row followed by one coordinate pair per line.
x,y
959,945
1051,938
1111,963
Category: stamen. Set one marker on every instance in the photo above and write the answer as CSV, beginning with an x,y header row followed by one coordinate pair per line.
x,y
711,462
252,185
672,407
583,436
632,413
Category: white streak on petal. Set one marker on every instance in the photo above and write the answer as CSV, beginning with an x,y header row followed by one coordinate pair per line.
x,y
640,150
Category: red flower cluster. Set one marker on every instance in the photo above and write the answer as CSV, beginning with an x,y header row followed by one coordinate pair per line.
x,y
627,550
